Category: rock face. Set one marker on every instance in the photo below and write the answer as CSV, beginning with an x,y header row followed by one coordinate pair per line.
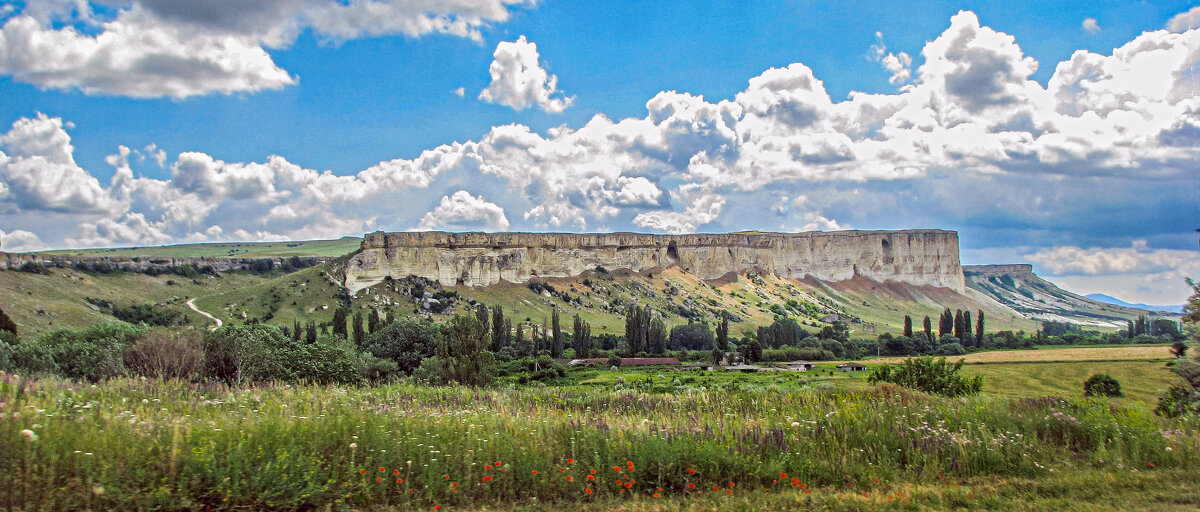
x,y
917,257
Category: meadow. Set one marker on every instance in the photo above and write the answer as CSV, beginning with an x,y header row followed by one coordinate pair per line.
x,y
762,442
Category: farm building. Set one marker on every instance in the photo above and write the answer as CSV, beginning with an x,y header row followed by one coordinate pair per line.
x,y
743,368
851,367
800,366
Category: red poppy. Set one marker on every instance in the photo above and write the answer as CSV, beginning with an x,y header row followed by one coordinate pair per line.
x,y
628,484
569,479
535,471
691,471
617,468
848,485
381,470
657,495
399,480
715,488
728,491
591,477
588,490
692,486
497,464
570,460
592,471
488,467
808,491
380,479
731,484
362,471
782,475
453,484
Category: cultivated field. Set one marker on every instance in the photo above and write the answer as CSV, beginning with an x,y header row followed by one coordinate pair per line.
x,y
1091,353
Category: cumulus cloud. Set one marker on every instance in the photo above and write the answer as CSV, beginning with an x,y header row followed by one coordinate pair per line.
x,y
181,48
1090,25
19,240
970,123
1139,257
898,65
1185,21
520,82
464,212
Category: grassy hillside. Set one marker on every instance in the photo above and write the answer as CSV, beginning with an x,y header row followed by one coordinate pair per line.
x,y
326,248
41,303
1034,297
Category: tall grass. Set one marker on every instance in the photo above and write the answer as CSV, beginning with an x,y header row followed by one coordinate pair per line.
x,y
128,444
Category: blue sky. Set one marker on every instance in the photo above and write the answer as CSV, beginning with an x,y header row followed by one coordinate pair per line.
x,y
132,122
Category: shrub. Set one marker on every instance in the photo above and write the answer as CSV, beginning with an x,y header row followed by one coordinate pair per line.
x,y
1101,384
951,349
94,354
7,324
239,353
34,268
929,375
406,342
614,361
165,354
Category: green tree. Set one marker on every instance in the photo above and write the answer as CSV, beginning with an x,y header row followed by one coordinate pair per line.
x,y
928,328
501,329
946,323
522,347
958,325
391,317
463,352
373,320
360,335
723,334
581,334
908,332
717,356
296,330
406,342
310,332
557,339
339,323
1183,397
657,336
979,327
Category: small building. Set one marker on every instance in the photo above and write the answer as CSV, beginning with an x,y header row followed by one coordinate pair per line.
x,y
851,367
800,366
743,368
698,366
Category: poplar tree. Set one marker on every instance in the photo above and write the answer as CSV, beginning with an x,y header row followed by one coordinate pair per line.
x,y
908,332
581,335
373,320
928,328
723,334
979,327
339,322
557,340
359,333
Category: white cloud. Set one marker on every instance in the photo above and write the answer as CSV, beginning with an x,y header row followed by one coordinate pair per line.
x,y
1090,25
182,48
1185,21
897,64
520,82
1138,258
970,113
463,212
19,240
460,92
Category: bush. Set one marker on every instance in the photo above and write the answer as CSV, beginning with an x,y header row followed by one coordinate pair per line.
x,y
34,268
1101,384
614,361
238,354
93,354
951,349
926,374
406,342
164,354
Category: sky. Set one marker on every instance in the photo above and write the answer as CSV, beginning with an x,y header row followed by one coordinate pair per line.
x,y
1062,134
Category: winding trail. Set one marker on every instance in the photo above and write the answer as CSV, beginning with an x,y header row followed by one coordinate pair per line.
x,y
191,303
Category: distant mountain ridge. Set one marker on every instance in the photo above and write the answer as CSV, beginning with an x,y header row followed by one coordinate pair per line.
x,y
1017,287
1109,299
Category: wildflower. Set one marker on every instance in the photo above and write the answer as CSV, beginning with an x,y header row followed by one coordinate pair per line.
x,y
497,464
849,485
628,484
353,445
587,491
570,460
453,484
657,495
782,475
488,467
487,478
362,471
715,488
29,435
534,471
562,470
399,480
1151,464
569,479
808,491
591,477
691,471
692,487
795,424
617,468
396,472
380,479
731,484
728,491
381,470
592,471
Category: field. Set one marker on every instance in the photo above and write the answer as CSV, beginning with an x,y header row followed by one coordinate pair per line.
x,y
137,444
1091,353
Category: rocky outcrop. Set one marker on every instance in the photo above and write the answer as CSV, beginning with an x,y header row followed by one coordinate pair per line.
x,y
14,260
917,257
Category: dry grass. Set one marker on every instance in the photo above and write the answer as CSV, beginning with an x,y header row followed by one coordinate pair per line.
x,y
1115,353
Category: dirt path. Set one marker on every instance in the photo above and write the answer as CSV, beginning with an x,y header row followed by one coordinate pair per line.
x,y
191,303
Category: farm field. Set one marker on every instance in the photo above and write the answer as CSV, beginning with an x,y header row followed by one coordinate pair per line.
x,y
1091,353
